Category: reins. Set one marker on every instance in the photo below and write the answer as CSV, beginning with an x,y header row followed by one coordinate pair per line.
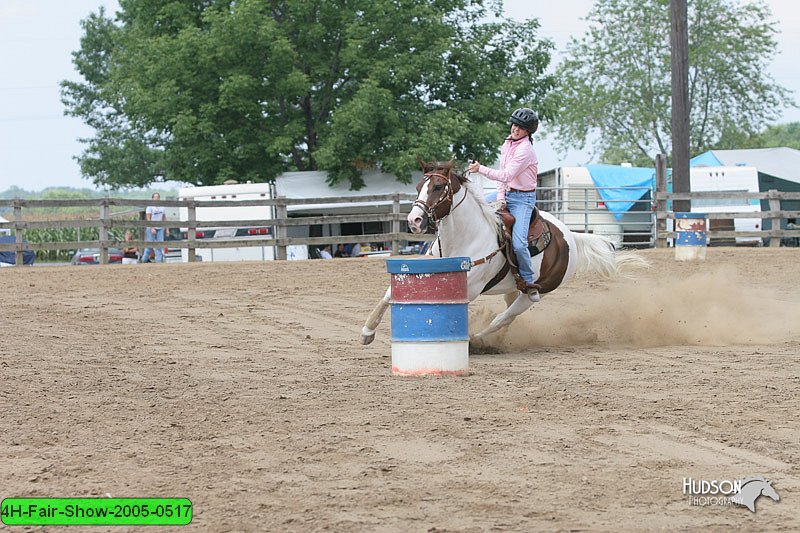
x,y
430,212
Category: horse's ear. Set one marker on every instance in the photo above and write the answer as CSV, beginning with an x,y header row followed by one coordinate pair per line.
x,y
422,164
448,167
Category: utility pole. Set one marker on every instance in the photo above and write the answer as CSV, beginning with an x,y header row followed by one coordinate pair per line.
x,y
679,39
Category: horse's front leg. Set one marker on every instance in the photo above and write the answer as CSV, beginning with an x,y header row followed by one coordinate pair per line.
x,y
520,304
375,317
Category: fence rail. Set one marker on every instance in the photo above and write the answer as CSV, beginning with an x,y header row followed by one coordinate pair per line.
x,y
775,215
579,209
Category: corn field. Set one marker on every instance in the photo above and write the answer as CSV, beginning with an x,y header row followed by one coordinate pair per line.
x,y
41,235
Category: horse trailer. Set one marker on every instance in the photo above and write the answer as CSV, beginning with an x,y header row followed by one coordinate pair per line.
x,y
574,197
234,193
727,179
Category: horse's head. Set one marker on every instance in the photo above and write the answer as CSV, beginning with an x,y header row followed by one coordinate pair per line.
x,y
769,491
752,488
434,195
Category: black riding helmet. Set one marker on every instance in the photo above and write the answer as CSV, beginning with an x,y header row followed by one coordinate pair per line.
x,y
525,118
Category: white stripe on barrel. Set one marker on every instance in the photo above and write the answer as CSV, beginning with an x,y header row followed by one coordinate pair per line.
x,y
430,326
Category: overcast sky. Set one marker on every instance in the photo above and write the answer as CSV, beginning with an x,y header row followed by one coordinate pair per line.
x,y
38,143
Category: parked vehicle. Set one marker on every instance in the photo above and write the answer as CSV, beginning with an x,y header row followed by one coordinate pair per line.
x,y
728,179
91,256
234,193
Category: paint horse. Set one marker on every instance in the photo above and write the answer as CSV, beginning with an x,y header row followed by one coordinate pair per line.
x,y
467,226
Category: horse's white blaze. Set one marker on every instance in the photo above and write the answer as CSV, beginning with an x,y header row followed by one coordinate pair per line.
x,y
416,215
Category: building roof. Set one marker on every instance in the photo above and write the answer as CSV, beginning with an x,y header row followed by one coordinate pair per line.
x,y
782,163
301,185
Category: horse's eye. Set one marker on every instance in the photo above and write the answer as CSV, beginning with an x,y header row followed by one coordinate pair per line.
x,y
437,188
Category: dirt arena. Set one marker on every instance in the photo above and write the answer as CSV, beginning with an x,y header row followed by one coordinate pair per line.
x,y
243,387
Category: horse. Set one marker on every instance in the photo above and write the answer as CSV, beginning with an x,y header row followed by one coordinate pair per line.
x,y
466,226
752,488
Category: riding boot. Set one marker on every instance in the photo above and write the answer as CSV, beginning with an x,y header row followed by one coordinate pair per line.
x,y
524,286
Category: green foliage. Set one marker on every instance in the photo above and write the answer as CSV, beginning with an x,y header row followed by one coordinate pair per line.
x,y
201,92
774,136
68,193
615,84
40,235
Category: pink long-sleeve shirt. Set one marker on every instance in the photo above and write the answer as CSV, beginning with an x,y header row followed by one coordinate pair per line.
x,y
519,168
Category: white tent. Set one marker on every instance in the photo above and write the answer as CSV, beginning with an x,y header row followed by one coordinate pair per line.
x,y
4,231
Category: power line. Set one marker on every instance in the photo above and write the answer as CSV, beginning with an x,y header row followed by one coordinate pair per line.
x,y
31,87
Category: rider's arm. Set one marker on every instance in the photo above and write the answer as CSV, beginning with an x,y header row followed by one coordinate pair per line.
x,y
518,162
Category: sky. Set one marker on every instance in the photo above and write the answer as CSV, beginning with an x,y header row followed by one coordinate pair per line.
x,y
38,144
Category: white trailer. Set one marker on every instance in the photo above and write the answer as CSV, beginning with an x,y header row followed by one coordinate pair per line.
x,y
728,179
235,193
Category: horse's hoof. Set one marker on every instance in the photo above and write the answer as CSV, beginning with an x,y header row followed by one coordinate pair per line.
x,y
367,339
478,347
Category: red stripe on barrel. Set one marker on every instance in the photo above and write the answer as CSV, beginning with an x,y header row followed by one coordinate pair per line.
x,y
442,287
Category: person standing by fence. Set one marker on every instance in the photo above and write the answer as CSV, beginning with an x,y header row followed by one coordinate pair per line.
x,y
130,254
155,214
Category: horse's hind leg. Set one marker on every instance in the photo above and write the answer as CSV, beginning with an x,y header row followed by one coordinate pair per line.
x,y
375,317
509,298
519,302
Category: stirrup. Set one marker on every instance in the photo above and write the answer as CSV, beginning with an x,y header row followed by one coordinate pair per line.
x,y
524,286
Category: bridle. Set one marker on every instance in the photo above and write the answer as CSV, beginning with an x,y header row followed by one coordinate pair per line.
x,y
443,205
445,201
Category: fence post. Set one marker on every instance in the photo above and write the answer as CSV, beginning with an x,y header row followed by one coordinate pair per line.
x,y
103,231
18,259
395,223
192,230
280,227
774,206
661,205
586,210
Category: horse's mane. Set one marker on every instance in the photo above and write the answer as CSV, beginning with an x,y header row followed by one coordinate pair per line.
x,y
472,189
487,211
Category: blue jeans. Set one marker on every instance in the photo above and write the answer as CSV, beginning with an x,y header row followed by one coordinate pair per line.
x,y
159,236
520,204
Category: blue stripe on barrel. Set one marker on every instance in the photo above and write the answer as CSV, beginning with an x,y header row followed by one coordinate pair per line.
x,y
429,322
428,266
690,229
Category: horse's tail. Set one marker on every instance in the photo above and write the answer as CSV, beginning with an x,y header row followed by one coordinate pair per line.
x,y
597,255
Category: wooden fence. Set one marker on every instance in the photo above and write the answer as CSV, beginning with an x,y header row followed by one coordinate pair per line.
x,y
106,222
774,214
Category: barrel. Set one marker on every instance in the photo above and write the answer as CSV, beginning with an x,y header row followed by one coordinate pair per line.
x,y
691,238
430,326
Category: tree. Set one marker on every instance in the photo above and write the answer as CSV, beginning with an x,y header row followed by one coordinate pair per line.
x,y
614,85
773,136
204,91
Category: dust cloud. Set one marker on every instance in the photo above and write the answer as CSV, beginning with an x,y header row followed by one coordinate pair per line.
x,y
714,308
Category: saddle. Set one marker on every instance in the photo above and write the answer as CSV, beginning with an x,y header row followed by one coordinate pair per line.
x,y
539,237
538,231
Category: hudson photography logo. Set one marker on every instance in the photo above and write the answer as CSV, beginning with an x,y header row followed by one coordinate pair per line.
x,y
742,492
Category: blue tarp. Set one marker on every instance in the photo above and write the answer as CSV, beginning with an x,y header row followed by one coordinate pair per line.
x,y
28,257
706,159
619,200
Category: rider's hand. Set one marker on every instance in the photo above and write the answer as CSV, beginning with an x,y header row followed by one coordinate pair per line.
x,y
474,166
